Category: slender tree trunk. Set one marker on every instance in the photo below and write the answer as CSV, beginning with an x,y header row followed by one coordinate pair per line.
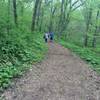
x,y
87,27
38,13
96,27
41,21
53,9
61,16
86,40
22,9
34,15
86,35
15,12
8,26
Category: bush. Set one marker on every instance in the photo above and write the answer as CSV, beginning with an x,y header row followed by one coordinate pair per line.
x,y
17,51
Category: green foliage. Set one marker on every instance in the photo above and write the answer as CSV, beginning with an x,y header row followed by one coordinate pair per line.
x,y
17,52
19,48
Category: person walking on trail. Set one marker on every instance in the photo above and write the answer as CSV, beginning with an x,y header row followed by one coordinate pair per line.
x,y
46,37
51,36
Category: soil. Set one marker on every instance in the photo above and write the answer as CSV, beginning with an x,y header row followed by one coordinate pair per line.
x,y
60,76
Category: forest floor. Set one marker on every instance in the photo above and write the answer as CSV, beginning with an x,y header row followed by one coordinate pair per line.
x,y
61,76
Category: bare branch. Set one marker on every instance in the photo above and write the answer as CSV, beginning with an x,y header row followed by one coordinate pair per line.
x,y
75,2
77,6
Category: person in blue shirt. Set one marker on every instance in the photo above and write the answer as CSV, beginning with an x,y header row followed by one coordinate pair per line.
x,y
51,36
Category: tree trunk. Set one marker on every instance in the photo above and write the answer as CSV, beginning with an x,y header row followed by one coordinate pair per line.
x,y
87,27
86,35
34,15
38,14
53,9
22,9
96,27
61,16
86,40
94,42
41,21
15,12
8,20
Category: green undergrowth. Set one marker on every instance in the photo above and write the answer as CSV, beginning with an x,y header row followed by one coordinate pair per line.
x,y
87,54
18,53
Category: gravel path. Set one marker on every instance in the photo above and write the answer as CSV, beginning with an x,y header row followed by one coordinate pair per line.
x,y
61,76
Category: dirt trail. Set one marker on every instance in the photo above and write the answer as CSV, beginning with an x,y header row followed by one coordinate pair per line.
x,y
61,76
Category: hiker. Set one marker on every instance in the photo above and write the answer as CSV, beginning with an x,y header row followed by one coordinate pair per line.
x,y
51,36
46,37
